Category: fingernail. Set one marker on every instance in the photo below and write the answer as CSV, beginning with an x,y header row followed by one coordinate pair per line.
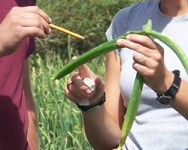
x,y
88,91
50,20
128,37
119,41
49,30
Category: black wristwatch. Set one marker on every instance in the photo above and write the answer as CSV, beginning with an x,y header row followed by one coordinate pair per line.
x,y
169,95
88,107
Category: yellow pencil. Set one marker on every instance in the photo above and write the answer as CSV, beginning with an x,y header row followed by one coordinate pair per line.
x,y
66,31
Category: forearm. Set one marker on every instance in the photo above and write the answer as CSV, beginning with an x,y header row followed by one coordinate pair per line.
x,y
101,130
180,102
32,135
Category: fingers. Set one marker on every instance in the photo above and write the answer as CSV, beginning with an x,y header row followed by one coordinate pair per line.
x,y
31,31
148,55
33,20
78,82
85,72
142,45
74,93
139,43
82,91
20,23
141,39
33,9
32,27
76,90
30,21
138,57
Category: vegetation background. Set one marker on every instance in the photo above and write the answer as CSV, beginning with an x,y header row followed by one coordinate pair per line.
x,y
60,121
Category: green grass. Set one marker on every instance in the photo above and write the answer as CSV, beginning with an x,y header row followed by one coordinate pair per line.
x,y
60,122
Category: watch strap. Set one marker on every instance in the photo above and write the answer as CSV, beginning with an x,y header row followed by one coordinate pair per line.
x,y
170,94
88,107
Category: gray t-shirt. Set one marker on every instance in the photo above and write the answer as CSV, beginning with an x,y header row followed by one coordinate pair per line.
x,y
156,126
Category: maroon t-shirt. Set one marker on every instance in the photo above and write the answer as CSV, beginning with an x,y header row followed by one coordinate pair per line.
x,y
13,112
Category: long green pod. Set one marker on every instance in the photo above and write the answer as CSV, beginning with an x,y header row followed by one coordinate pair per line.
x,y
84,58
74,64
131,109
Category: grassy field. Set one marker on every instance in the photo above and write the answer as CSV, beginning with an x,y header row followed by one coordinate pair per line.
x,y
60,122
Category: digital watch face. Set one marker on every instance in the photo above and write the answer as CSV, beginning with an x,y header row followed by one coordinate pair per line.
x,y
164,99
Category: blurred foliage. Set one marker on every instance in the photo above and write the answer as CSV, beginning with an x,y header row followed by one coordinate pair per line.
x,y
89,18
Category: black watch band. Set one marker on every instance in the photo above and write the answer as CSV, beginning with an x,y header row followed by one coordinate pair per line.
x,y
88,107
169,95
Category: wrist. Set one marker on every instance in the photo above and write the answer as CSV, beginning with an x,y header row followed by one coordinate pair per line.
x,y
165,84
168,96
86,108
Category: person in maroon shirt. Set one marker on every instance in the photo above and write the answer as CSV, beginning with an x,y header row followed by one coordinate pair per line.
x,y
20,22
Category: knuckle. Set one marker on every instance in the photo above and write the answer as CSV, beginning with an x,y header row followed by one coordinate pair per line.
x,y
158,57
37,33
17,29
75,75
38,24
15,20
36,8
17,32
145,40
151,73
15,8
138,47
13,14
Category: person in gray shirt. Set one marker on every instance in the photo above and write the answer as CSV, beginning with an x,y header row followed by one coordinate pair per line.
x,y
161,121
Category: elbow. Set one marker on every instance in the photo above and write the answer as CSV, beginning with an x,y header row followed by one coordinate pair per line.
x,y
107,144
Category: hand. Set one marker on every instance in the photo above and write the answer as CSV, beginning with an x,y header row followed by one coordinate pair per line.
x,y
77,91
149,61
22,22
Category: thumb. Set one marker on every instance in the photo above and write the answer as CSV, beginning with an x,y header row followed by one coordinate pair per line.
x,y
85,72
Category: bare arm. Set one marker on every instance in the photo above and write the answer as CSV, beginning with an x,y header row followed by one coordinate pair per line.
x,y
32,135
103,125
180,102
